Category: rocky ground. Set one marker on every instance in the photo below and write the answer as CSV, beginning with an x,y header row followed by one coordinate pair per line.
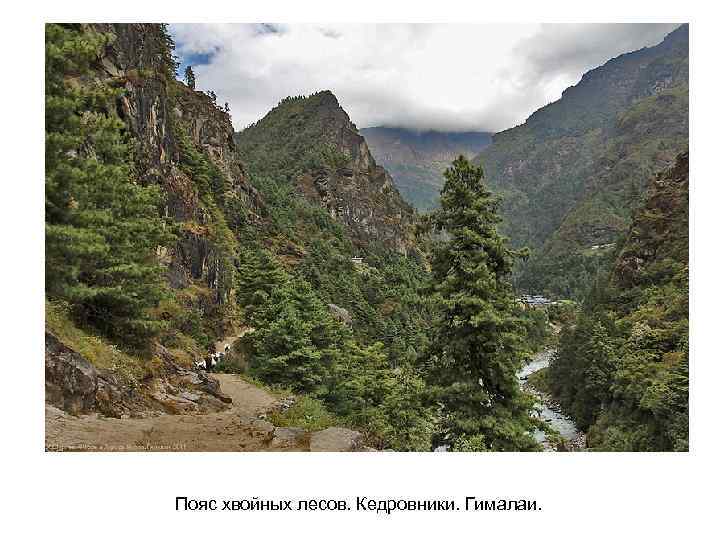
x,y
238,429
178,409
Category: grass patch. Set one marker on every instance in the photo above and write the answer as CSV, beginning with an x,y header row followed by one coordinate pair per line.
x,y
307,413
97,350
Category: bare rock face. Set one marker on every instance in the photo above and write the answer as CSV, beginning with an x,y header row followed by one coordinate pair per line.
x,y
70,381
74,385
660,230
335,439
341,314
155,106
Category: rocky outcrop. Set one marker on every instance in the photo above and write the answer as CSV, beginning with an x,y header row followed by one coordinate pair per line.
x,y
660,228
340,314
335,439
315,144
156,108
74,385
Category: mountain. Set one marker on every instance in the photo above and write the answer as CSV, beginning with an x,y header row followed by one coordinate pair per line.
x,y
196,239
311,143
183,143
571,175
166,156
622,370
417,159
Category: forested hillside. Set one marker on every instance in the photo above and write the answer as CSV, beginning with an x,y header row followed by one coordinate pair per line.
x,y
166,233
417,159
311,142
622,370
571,175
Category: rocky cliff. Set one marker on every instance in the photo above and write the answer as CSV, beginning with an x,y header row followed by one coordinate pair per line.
x,y
166,120
311,142
659,235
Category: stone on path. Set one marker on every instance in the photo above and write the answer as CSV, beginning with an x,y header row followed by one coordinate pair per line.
x,y
335,439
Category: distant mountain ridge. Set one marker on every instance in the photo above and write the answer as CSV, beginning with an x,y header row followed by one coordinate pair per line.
x,y
417,159
571,175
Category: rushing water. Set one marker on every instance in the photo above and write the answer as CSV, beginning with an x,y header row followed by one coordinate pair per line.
x,y
558,421
544,409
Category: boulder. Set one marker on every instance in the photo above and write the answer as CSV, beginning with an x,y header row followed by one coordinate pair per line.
x,y
289,438
259,428
70,381
174,404
335,439
340,314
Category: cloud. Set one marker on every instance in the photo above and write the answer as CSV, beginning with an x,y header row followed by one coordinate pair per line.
x,y
421,76
557,54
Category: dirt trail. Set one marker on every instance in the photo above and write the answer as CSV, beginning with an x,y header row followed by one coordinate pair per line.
x,y
229,340
246,398
237,429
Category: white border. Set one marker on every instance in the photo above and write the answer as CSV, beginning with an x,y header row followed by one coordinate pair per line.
x,y
113,496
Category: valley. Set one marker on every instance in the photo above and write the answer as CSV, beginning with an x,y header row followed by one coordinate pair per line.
x,y
417,160
369,288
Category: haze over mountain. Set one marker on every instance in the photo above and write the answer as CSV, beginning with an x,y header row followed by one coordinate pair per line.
x,y
443,77
571,175
416,159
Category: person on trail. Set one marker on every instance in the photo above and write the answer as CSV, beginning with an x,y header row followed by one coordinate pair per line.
x,y
209,362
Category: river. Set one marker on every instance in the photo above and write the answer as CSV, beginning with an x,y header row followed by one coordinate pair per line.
x,y
547,409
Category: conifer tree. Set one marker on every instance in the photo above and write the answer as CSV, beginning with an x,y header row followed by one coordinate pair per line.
x,y
102,228
190,77
477,344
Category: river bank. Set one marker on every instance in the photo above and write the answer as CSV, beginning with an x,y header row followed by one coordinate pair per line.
x,y
549,410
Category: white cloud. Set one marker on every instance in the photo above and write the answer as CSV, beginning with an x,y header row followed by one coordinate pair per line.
x,y
422,76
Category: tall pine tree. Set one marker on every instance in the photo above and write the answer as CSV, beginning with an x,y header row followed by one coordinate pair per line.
x,y
478,343
190,77
102,228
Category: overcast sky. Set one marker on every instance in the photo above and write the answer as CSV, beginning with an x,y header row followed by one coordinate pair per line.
x,y
423,76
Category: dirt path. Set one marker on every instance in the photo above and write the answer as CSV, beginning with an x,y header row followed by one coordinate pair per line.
x,y
246,398
229,340
237,429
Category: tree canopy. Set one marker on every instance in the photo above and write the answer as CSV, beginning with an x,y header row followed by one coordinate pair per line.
x,y
477,344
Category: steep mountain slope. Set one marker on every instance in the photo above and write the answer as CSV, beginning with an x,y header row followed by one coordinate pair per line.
x,y
311,142
269,246
571,174
622,370
182,142
176,142
417,160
